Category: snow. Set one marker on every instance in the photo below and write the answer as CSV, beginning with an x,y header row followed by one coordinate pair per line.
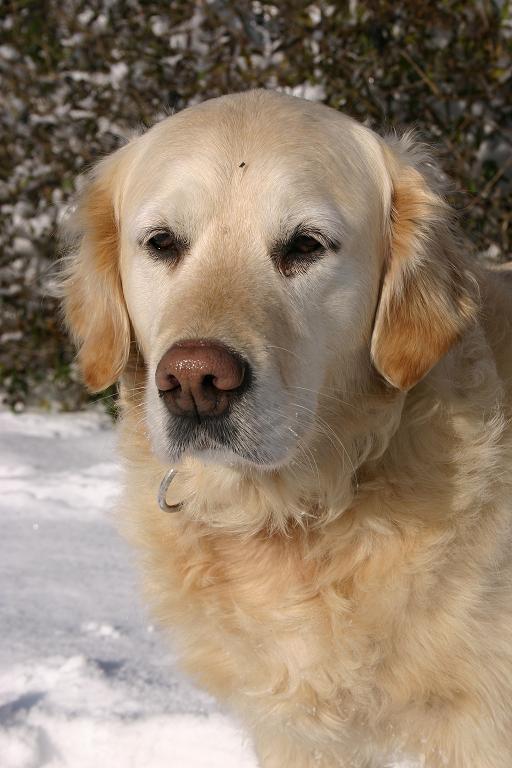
x,y
86,680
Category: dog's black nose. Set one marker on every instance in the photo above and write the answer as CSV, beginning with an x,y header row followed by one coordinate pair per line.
x,y
200,378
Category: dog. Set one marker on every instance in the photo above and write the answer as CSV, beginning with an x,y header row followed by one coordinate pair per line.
x,y
301,334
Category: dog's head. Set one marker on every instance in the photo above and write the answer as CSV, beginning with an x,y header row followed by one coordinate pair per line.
x,y
262,252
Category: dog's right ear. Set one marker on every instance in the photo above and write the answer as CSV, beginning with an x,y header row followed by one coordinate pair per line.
x,y
93,302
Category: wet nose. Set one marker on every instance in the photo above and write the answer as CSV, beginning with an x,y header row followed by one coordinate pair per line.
x,y
200,378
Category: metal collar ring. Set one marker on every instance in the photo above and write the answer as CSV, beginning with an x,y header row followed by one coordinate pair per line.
x,y
162,492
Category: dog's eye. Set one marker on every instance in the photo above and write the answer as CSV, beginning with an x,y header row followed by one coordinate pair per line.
x,y
166,245
298,254
305,244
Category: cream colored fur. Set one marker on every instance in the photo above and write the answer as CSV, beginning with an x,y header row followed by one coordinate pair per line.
x,y
350,596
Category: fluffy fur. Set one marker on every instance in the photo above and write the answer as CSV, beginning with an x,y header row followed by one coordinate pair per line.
x,y
342,575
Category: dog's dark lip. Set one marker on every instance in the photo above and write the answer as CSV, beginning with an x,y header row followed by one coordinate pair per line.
x,y
205,433
214,434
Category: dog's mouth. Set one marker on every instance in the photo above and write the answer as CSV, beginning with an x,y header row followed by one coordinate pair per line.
x,y
214,437
245,436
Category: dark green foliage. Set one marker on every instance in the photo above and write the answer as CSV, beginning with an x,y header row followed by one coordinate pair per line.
x,y
76,77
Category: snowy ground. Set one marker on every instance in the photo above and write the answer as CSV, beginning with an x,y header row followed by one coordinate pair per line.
x,y
86,681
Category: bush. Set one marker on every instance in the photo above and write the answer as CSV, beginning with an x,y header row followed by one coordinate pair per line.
x,y
77,77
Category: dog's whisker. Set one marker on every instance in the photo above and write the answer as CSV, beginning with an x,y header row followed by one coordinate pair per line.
x,y
321,393
328,430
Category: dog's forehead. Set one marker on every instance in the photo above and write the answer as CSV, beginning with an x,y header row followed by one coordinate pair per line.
x,y
213,146
253,152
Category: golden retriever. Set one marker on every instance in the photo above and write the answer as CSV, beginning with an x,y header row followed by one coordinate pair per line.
x,y
298,331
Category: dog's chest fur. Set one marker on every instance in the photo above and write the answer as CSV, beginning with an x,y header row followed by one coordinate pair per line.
x,y
331,632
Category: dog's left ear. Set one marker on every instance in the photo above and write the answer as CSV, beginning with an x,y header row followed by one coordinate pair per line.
x,y
428,295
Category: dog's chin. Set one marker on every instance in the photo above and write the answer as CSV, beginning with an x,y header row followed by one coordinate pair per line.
x,y
246,459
